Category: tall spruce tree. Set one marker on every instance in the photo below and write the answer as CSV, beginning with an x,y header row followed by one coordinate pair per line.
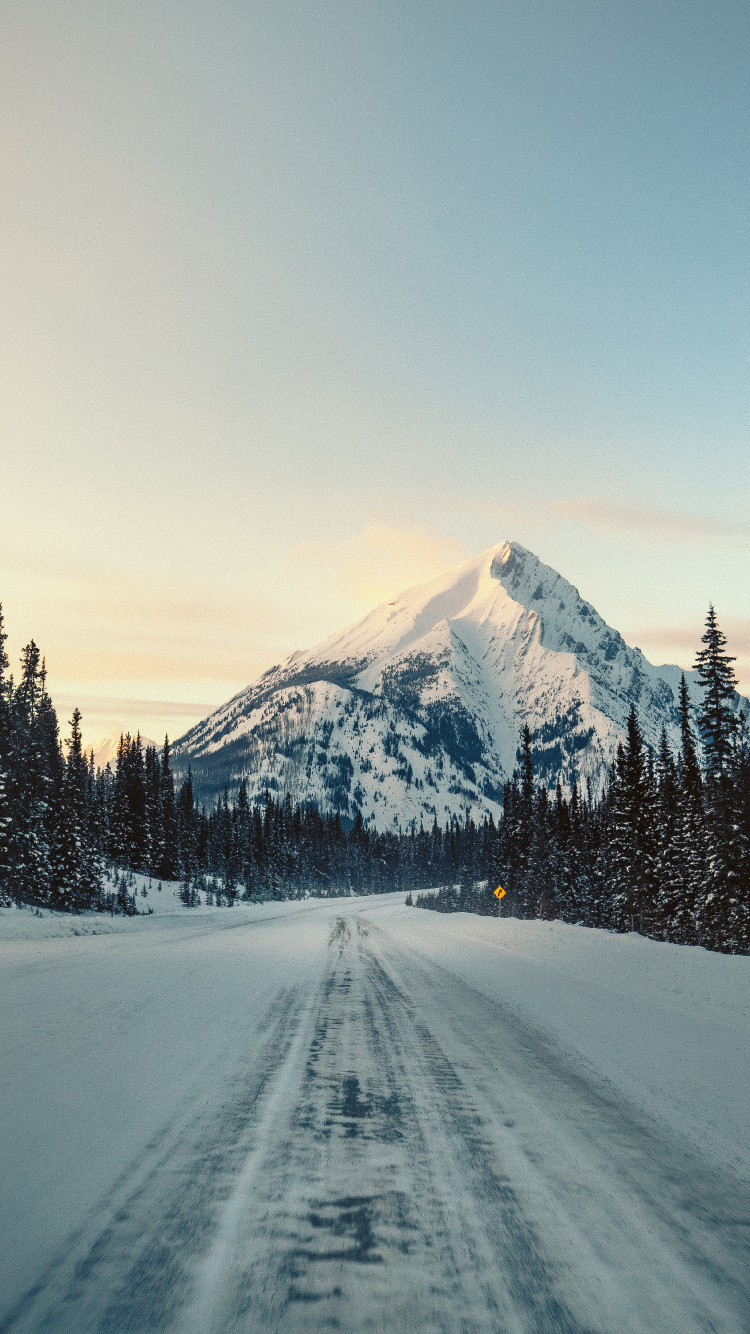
x,y
75,869
539,877
187,833
716,721
36,776
739,935
670,870
128,809
117,821
169,865
154,822
631,835
690,847
524,889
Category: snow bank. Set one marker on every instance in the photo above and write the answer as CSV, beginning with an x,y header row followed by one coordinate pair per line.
x,y
166,909
686,978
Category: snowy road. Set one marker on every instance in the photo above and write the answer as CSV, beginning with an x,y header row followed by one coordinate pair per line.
x,y
377,1147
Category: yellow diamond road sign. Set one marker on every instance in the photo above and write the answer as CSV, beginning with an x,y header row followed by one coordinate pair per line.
x,y
499,892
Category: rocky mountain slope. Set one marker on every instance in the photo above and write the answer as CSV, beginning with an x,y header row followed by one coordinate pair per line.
x,y
416,710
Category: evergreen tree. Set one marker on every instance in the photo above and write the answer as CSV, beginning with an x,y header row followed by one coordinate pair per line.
x,y
36,773
564,855
168,867
631,843
118,807
520,830
689,851
186,832
717,906
715,718
670,871
739,934
541,896
690,772
154,818
74,863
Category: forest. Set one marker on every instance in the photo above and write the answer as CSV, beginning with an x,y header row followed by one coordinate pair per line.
x,y
662,849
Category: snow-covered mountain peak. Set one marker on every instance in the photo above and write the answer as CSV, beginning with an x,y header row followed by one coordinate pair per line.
x,y
416,710
481,587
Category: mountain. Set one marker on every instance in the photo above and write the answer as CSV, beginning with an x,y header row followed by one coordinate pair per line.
x,y
105,751
417,709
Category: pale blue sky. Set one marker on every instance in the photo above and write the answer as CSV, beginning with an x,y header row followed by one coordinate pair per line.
x,y
274,272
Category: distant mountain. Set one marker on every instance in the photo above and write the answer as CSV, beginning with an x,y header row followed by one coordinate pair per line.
x,y
416,710
105,751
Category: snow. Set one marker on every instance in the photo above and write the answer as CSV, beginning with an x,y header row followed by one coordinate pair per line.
x,y
609,1073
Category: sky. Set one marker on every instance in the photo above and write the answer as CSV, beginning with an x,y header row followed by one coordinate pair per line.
x,y
300,304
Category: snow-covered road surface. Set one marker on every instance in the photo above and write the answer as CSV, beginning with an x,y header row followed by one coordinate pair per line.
x,y
316,1126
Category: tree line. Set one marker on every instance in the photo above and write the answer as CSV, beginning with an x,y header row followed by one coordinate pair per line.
x,y
664,849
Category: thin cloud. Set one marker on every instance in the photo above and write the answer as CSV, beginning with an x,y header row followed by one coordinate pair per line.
x,y
609,519
382,560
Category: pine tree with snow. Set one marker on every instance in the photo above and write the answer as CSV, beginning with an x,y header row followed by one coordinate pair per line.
x,y
586,839
117,822
186,828
540,888
523,889
169,863
717,725
564,857
670,868
75,870
154,833
716,719
631,878
36,768
690,849
739,934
